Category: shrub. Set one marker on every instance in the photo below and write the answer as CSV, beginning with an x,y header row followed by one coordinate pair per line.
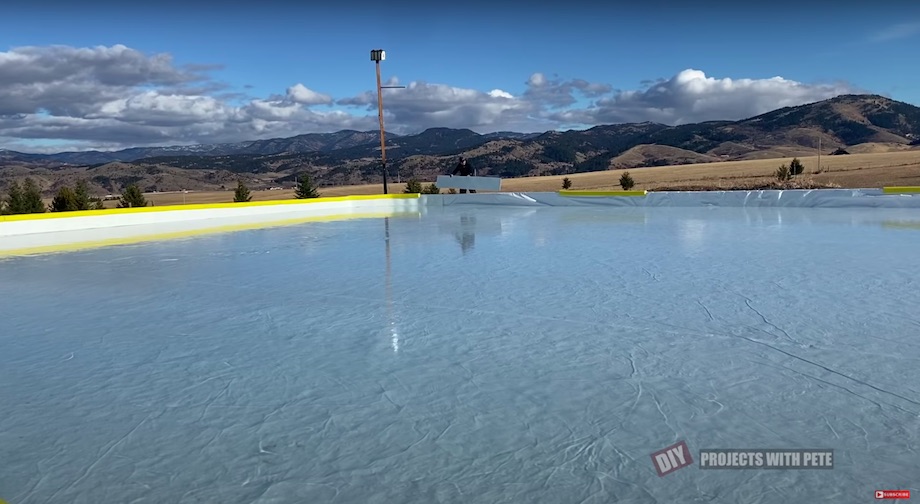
x,y
431,189
796,167
566,183
782,173
241,195
451,191
626,181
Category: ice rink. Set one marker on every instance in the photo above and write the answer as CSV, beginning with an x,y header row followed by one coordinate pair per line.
x,y
472,354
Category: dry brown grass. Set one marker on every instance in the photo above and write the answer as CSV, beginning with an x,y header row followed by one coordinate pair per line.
x,y
855,170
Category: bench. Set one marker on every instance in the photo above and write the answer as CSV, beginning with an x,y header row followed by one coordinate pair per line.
x,y
468,182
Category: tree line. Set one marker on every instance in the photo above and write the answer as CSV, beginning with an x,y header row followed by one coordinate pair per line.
x,y
26,198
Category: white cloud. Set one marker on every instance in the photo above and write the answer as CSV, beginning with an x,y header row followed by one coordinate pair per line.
x,y
897,32
299,93
422,105
498,93
692,96
110,97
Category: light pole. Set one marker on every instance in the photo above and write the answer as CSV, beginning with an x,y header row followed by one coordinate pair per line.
x,y
378,55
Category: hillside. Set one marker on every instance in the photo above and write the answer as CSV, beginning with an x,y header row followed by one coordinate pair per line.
x,y
658,155
861,123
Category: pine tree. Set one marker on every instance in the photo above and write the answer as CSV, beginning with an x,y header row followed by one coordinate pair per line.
x,y
242,193
566,183
13,202
305,188
782,173
83,199
796,167
626,181
66,200
413,186
132,197
31,198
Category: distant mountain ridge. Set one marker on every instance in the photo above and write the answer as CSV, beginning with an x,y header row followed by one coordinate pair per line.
x,y
353,157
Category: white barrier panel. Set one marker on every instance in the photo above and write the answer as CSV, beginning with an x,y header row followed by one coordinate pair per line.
x,y
57,233
106,220
466,182
806,198
18,235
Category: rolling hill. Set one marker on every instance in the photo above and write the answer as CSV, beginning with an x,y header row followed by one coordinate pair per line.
x,y
865,123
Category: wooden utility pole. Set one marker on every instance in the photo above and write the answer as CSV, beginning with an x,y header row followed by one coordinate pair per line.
x,y
378,55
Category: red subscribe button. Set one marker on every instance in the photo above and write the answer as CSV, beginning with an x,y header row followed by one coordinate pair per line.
x,y
892,494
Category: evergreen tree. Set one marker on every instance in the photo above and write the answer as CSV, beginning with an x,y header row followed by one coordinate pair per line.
x,y
132,197
242,193
83,199
431,189
66,200
626,181
305,188
14,198
413,186
796,167
566,183
782,173
31,198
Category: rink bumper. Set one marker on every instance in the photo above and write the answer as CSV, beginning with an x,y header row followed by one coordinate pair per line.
x,y
11,225
59,232
803,198
66,231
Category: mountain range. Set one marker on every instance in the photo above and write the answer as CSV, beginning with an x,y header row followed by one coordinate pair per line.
x,y
854,123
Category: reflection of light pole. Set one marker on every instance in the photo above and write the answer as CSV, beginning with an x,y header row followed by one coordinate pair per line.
x,y
394,335
378,55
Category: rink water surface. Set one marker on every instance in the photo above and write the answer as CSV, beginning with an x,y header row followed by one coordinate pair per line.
x,y
469,354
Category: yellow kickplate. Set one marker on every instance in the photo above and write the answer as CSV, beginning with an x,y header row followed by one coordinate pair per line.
x,y
901,189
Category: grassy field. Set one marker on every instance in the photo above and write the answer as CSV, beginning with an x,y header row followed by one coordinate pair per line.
x,y
854,170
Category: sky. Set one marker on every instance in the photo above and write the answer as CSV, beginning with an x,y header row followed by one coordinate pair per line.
x,y
109,75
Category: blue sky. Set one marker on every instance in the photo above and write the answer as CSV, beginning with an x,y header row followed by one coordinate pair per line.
x,y
455,55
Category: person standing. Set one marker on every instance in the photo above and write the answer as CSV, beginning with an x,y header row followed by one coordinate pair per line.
x,y
463,169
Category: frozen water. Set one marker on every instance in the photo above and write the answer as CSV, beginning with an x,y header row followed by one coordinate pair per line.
x,y
499,355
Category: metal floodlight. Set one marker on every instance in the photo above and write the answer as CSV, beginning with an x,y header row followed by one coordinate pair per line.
x,y
378,55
